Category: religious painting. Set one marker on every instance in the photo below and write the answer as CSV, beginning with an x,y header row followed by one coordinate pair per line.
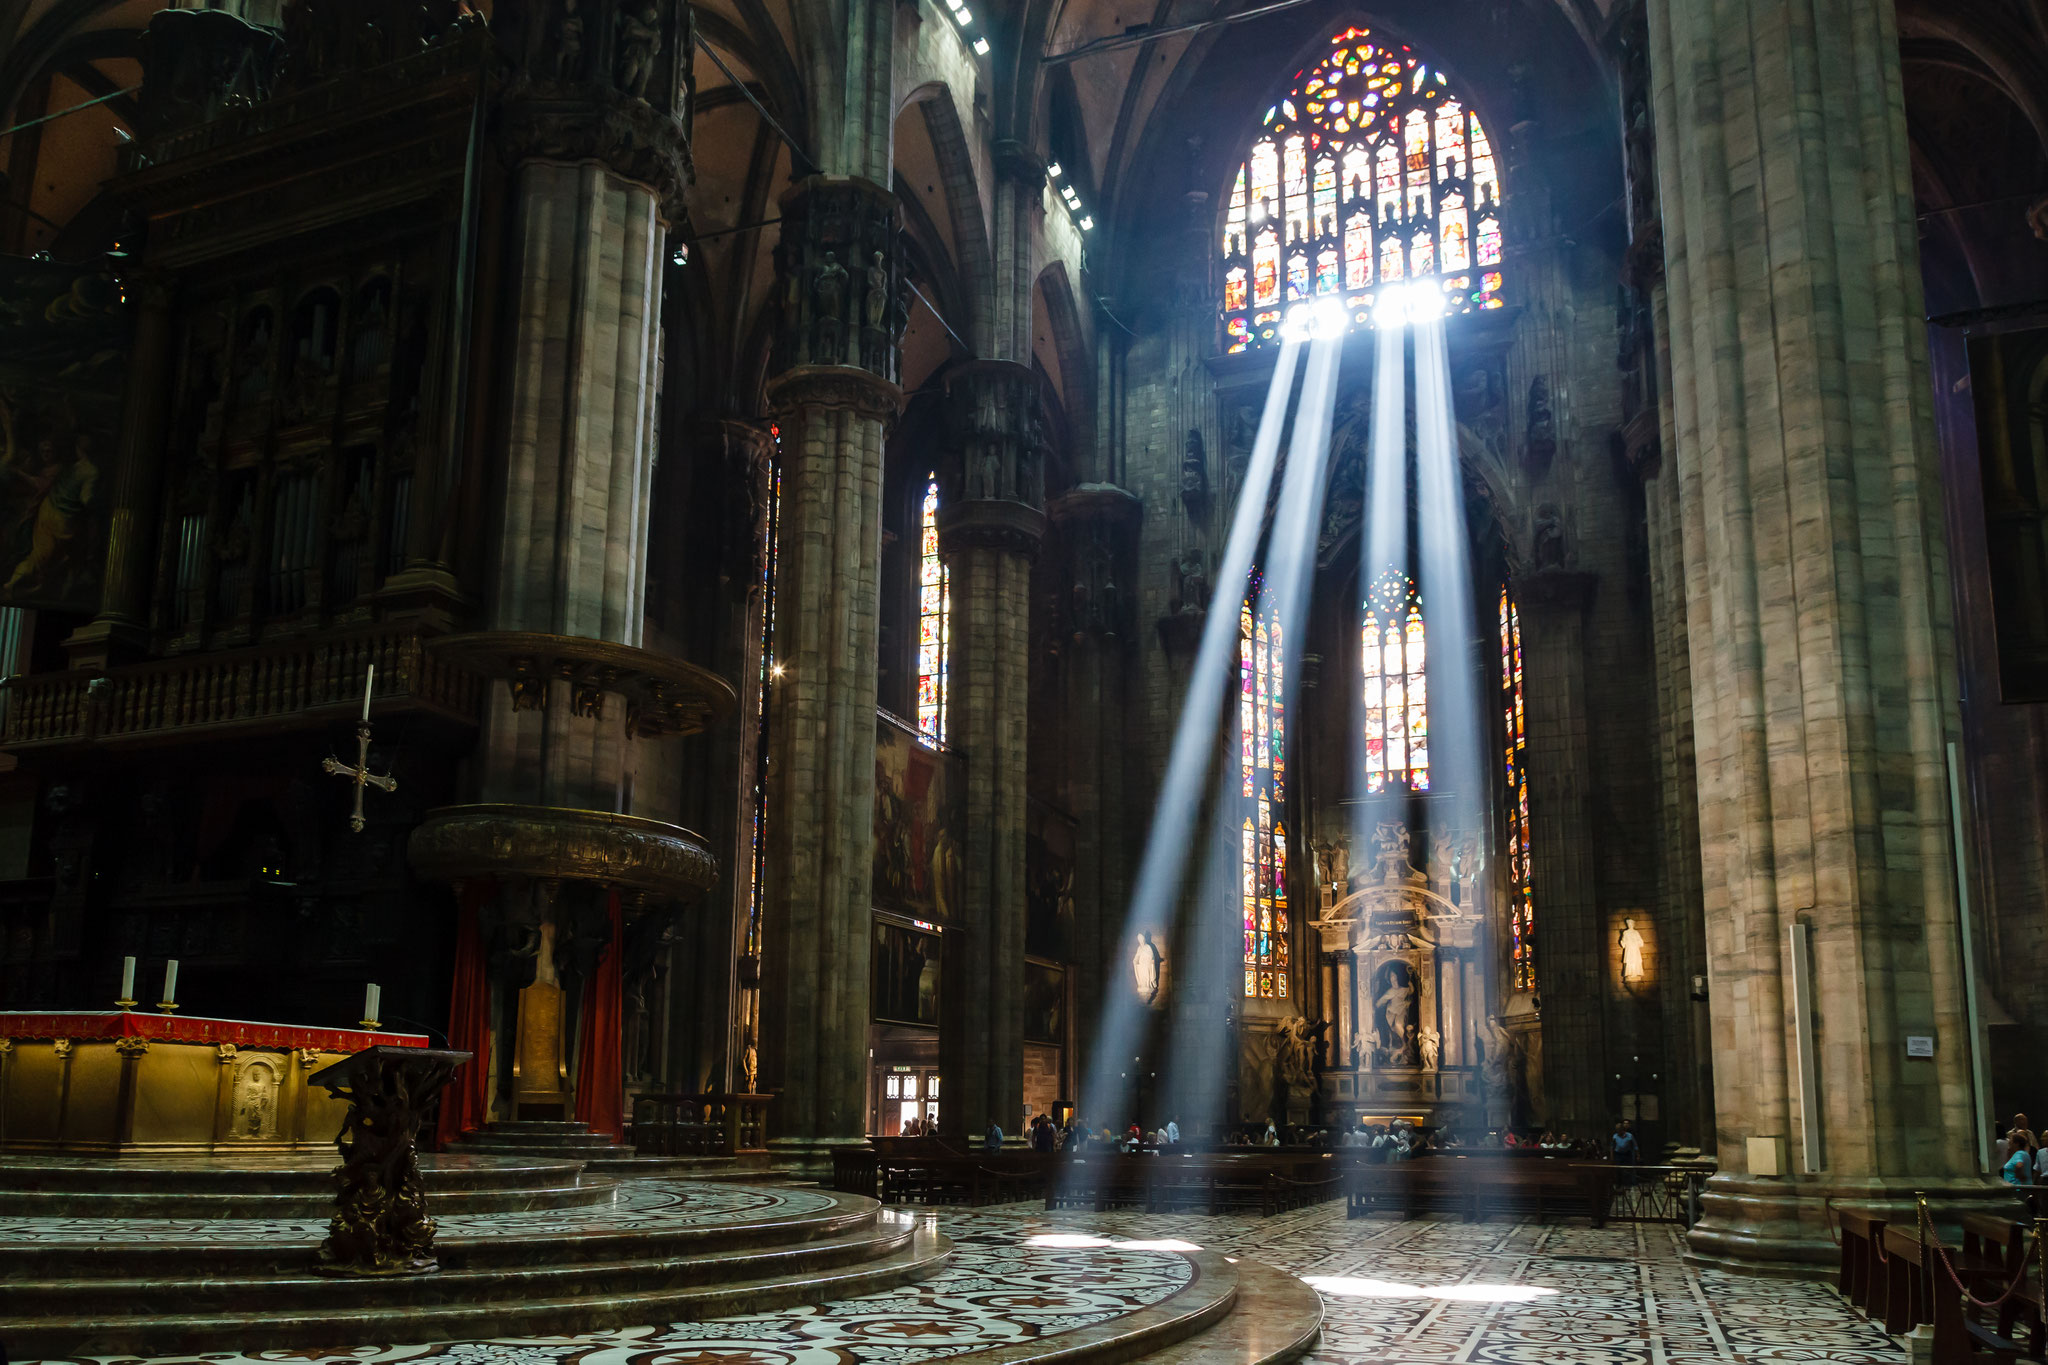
x,y
917,826
1048,884
63,355
1045,1003
2009,377
906,975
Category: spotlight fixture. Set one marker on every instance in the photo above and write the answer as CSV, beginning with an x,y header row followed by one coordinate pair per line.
x,y
1053,170
981,47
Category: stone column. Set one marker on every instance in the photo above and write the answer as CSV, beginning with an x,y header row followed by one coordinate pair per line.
x,y
595,132
1096,527
989,535
1570,937
833,396
121,628
1817,614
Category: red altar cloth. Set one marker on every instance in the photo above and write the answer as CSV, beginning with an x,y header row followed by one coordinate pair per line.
x,y
90,1025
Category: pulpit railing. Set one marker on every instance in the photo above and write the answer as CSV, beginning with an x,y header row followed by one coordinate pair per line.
x,y
259,686
710,1124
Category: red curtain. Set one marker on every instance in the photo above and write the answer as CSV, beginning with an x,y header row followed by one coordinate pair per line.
x,y
469,1020
600,1083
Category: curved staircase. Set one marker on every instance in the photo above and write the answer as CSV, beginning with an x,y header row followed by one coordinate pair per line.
x,y
649,1252
557,1140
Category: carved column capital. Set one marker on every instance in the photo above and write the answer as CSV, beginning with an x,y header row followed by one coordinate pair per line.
x,y
993,418
605,83
1017,163
997,524
841,290
835,386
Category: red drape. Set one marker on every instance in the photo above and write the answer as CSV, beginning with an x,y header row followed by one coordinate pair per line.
x,y
600,1084
469,1021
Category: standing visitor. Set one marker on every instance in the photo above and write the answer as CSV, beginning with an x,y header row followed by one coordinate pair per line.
x,y
993,1140
1173,1132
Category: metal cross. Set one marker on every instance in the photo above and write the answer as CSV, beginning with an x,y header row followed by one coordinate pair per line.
x,y
360,773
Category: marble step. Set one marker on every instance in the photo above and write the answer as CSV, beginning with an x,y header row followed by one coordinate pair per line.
x,y
323,1313
97,1251
748,1166
562,1146
300,1189
1275,1320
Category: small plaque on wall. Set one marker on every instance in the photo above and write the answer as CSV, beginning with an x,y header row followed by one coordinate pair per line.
x,y
1919,1045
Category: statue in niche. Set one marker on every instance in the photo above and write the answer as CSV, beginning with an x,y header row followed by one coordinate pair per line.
x,y
1333,870
639,40
1194,583
255,1092
569,43
1631,951
1394,1005
1540,444
1194,470
1146,964
1430,1044
1499,1046
876,301
828,293
1390,852
1549,546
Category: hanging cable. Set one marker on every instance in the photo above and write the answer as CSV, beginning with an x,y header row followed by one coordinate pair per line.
x,y
795,147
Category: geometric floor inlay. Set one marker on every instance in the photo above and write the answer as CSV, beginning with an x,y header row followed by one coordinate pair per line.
x,y
1395,1292
1426,1292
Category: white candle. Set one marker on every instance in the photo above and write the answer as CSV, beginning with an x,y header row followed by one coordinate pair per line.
x,y
372,997
171,982
127,978
369,683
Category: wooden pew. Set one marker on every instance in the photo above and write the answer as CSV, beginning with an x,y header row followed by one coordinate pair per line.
x,y
1861,1277
1996,1248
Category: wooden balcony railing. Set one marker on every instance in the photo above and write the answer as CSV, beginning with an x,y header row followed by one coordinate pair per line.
x,y
257,687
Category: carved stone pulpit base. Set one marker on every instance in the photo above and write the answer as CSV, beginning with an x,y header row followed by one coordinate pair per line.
x,y
380,1224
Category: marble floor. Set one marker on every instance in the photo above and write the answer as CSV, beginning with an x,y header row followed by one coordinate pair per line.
x,y
1395,1293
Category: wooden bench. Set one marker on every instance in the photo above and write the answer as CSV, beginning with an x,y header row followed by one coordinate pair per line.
x,y
1210,1182
1996,1249
1475,1189
1861,1276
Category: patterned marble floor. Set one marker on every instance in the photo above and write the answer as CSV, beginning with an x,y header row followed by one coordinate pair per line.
x,y
1395,1293
638,1205
1436,1293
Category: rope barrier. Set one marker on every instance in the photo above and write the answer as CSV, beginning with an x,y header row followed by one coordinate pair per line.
x,y
1926,1227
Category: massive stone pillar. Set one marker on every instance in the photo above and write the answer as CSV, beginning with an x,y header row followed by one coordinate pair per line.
x,y
1823,688
833,396
1096,528
600,153
1570,942
989,535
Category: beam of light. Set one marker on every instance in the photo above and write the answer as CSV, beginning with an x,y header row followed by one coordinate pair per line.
x,y
1202,1058
1408,305
1120,1030
1455,726
1346,1287
1383,546
1321,320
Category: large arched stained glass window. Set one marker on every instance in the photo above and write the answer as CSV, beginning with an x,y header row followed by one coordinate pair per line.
x,y
1369,173
1521,893
1396,687
934,620
1262,757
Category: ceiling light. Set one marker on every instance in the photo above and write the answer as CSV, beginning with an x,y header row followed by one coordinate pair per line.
x,y
981,47
1087,224
1053,170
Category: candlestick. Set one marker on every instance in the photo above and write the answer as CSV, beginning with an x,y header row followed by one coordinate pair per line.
x,y
127,1000
373,995
369,684
170,1000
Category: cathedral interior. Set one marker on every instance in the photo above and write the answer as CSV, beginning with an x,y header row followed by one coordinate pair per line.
x,y
1409,641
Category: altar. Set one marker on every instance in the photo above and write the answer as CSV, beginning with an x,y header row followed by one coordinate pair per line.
x,y
119,1082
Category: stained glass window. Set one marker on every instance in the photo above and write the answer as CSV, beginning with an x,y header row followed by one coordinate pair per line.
x,y
1396,686
934,621
1262,763
1521,897
1370,162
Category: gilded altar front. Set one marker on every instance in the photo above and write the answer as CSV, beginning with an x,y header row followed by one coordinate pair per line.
x,y
116,1082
